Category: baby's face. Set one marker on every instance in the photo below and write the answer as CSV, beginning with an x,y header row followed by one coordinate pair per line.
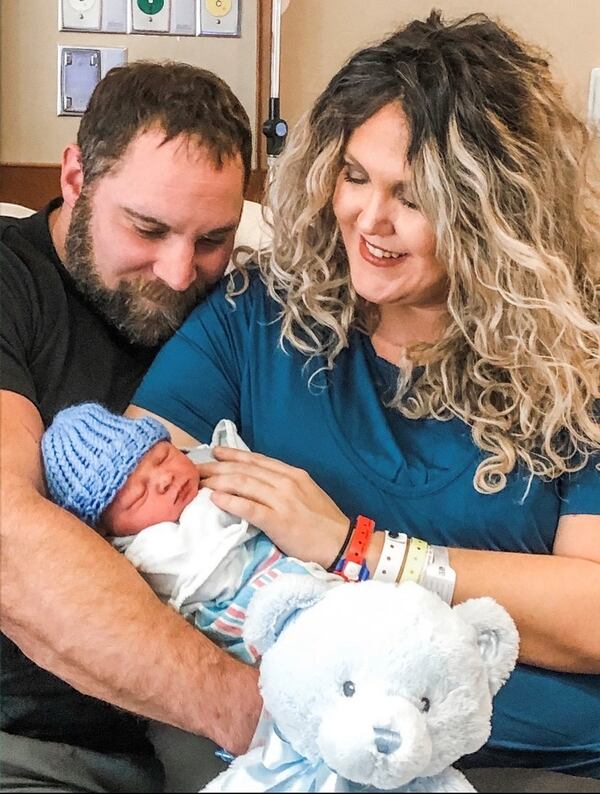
x,y
162,484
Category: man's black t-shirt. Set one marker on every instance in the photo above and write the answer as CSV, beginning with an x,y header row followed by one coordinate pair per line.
x,y
56,351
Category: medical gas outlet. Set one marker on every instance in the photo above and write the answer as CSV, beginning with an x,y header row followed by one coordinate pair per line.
x,y
219,17
150,16
80,14
165,17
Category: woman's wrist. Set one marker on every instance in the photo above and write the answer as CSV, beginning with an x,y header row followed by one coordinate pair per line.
x,y
338,540
392,557
395,558
438,575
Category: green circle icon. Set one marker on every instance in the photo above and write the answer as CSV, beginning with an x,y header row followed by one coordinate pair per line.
x,y
150,6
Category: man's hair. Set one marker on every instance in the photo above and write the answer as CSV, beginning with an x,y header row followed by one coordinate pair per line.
x,y
503,170
177,98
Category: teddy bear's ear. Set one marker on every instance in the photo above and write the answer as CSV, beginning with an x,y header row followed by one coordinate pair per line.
x,y
497,637
275,604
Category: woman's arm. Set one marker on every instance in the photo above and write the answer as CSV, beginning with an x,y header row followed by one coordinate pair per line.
x,y
554,599
103,630
179,437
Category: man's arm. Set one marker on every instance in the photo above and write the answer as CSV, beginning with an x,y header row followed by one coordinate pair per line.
x,y
103,630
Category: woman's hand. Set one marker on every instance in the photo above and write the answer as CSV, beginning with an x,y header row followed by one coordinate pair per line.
x,y
282,501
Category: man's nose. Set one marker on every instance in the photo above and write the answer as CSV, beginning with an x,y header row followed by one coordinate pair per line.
x,y
177,266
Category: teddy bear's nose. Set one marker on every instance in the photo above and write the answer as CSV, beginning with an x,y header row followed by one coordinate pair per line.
x,y
386,741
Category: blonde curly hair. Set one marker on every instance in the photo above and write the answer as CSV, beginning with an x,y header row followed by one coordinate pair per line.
x,y
506,175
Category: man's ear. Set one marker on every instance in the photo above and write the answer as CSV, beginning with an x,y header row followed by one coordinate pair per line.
x,y
71,174
275,604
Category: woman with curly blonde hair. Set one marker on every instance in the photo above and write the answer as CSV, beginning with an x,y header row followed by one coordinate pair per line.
x,y
423,341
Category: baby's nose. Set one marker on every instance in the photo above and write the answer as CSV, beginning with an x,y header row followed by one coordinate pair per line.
x,y
165,481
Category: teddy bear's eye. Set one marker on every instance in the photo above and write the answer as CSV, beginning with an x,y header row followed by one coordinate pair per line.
x,y
425,704
348,688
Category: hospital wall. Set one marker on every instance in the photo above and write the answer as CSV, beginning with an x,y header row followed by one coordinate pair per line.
x,y
32,136
318,36
30,130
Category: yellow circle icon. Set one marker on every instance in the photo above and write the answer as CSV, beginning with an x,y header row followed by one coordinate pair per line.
x,y
218,8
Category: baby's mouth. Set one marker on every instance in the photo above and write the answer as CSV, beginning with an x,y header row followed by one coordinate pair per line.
x,y
188,491
182,492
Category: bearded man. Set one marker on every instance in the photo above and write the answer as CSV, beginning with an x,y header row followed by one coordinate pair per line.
x,y
91,286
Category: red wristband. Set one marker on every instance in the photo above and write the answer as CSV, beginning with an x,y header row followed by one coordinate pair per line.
x,y
352,566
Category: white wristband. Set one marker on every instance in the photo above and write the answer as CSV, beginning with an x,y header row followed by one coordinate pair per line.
x,y
391,558
438,575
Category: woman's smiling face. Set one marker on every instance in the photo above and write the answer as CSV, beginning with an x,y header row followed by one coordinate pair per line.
x,y
389,242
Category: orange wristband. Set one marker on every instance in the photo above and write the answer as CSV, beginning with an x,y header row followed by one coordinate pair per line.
x,y
352,566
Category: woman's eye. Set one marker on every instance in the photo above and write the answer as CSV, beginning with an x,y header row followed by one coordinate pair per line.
x,y
354,179
425,704
348,688
406,202
353,176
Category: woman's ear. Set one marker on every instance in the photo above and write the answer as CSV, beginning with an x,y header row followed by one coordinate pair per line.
x,y
71,174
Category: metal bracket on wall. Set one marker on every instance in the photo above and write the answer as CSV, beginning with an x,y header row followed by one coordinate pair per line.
x,y
79,71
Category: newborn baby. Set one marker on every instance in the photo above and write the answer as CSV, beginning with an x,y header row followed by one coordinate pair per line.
x,y
124,477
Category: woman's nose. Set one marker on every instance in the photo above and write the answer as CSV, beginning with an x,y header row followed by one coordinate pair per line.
x,y
374,217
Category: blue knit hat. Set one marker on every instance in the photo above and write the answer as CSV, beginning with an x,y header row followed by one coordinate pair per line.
x,y
88,454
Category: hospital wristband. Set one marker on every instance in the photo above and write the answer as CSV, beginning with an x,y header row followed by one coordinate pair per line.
x,y
353,566
391,559
340,553
438,575
415,561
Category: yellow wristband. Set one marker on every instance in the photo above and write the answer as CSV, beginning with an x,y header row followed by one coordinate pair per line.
x,y
415,560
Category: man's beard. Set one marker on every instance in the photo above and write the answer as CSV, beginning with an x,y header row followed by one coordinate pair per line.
x,y
145,312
